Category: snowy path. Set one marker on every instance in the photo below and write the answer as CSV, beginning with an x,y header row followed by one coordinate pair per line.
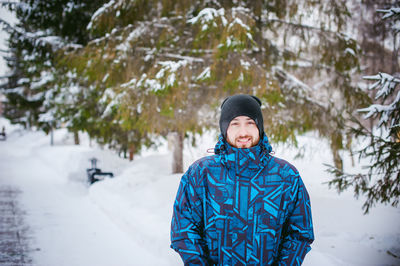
x,y
86,236
14,233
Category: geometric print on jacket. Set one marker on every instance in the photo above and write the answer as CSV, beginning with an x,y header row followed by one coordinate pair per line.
x,y
242,207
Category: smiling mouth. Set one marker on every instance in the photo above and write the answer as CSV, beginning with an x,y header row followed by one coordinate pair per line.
x,y
244,140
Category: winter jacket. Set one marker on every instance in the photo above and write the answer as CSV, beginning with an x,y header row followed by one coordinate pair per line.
x,y
242,207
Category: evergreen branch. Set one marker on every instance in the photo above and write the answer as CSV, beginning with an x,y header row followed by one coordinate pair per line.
x,y
8,3
4,51
3,86
384,190
39,37
5,77
382,78
14,4
386,111
314,64
7,26
308,27
392,12
285,76
9,29
382,181
188,58
320,66
9,58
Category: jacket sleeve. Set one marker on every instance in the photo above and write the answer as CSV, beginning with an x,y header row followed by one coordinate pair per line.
x,y
298,233
187,225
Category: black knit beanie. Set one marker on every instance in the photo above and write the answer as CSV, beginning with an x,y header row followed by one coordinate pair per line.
x,y
241,104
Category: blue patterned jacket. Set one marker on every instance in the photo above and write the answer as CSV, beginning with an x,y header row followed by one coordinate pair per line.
x,y
242,207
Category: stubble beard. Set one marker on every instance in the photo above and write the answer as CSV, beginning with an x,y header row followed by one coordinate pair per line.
x,y
243,142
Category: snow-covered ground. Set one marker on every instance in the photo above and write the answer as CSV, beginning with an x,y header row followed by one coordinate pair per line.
x,y
126,220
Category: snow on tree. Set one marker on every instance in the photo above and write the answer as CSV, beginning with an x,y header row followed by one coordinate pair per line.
x,y
169,64
43,28
381,183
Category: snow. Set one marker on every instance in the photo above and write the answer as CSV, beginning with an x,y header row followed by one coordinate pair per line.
x,y
99,12
125,46
125,220
168,70
56,42
43,80
378,108
392,12
350,51
208,15
113,100
105,78
152,84
387,82
48,116
386,85
205,74
245,64
240,23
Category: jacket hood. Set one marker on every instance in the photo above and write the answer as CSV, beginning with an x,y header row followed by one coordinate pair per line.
x,y
258,154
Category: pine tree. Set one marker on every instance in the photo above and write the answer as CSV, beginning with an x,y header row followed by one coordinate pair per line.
x,y
381,183
165,66
43,28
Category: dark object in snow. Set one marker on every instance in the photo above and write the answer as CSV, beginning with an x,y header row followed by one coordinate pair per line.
x,y
95,174
3,135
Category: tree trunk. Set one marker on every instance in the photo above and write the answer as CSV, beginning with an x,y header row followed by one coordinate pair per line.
x,y
51,137
336,145
348,146
131,152
395,54
337,160
76,137
176,142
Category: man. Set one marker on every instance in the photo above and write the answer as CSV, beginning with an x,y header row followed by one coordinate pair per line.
x,y
242,206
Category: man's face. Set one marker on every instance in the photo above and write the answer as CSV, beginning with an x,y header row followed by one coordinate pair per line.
x,y
242,132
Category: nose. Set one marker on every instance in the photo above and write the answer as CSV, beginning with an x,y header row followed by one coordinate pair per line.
x,y
243,130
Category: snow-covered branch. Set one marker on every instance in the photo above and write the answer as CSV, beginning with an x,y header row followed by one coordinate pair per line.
x,y
187,58
386,82
298,87
106,8
392,12
2,86
209,15
6,26
13,5
5,77
9,3
39,37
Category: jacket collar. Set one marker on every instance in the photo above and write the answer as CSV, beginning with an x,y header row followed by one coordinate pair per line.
x,y
256,156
